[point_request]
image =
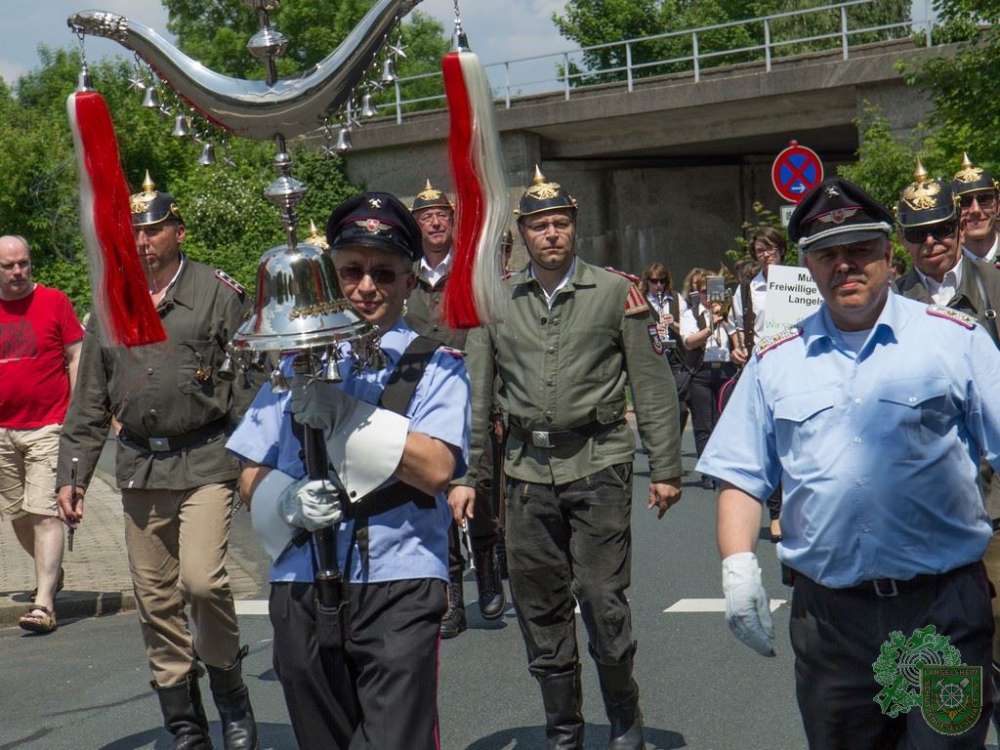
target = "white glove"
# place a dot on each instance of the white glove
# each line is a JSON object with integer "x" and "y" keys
{"x": 747, "y": 608}
{"x": 318, "y": 404}
{"x": 364, "y": 443}
{"x": 310, "y": 504}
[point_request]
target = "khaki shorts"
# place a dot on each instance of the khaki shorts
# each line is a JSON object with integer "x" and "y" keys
{"x": 28, "y": 471}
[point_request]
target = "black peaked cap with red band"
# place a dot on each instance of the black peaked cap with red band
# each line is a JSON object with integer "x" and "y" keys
{"x": 837, "y": 212}
{"x": 377, "y": 220}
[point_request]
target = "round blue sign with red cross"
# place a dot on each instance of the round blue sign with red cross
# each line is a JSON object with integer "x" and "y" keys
{"x": 796, "y": 170}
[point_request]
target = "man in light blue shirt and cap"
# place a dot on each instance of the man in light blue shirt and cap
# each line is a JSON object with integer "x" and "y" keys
{"x": 396, "y": 435}
{"x": 871, "y": 414}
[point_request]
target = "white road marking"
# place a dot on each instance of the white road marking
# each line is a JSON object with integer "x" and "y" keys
{"x": 251, "y": 606}
{"x": 708, "y": 605}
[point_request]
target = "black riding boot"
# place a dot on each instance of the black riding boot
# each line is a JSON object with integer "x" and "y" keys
{"x": 621, "y": 703}
{"x": 453, "y": 621}
{"x": 239, "y": 730}
{"x": 183, "y": 715}
{"x": 491, "y": 597}
{"x": 562, "y": 695}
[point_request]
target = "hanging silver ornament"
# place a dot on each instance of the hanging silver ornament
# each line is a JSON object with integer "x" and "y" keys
{"x": 207, "y": 157}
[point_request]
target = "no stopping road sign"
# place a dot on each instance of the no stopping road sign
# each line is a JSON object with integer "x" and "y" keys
{"x": 796, "y": 170}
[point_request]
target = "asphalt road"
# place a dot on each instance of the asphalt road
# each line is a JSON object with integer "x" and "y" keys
{"x": 88, "y": 686}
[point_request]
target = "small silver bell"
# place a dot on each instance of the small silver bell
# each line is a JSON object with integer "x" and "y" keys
{"x": 389, "y": 71}
{"x": 368, "y": 108}
{"x": 151, "y": 99}
{"x": 279, "y": 383}
{"x": 344, "y": 140}
{"x": 227, "y": 372}
{"x": 181, "y": 129}
{"x": 207, "y": 157}
{"x": 331, "y": 372}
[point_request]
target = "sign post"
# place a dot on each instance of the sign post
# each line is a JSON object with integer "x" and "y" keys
{"x": 796, "y": 171}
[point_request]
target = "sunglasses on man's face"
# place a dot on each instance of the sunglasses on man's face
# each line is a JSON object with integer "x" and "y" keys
{"x": 917, "y": 235}
{"x": 657, "y": 281}
{"x": 382, "y": 276}
{"x": 985, "y": 200}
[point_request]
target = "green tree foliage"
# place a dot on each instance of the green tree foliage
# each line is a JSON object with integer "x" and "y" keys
{"x": 597, "y": 22}
{"x": 966, "y": 113}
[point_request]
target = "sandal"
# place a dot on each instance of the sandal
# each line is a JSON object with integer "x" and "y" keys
{"x": 59, "y": 584}
{"x": 35, "y": 623}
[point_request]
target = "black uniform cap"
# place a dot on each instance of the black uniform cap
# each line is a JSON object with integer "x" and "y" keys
{"x": 925, "y": 201}
{"x": 837, "y": 212}
{"x": 972, "y": 179}
{"x": 376, "y": 220}
{"x": 151, "y": 206}
{"x": 544, "y": 196}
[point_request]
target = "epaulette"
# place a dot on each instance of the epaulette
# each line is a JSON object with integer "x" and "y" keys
{"x": 229, "y": 281}
{"x": 636, "y": 302}
{"x": 775, "y": 340}
{"x": 630, "y": 276}
{"x": 456, "y": 353}
{"x": 957, "y": 316}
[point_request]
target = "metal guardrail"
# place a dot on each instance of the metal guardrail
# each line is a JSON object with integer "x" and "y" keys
{"x": 571, "y": 72}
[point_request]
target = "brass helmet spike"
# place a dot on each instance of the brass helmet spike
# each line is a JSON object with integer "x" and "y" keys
{"x": 539, "y": 177}
{"x": 428, "y": 186}
{"x": 966, "y": 161}
{"x": 920, "y": 173}
{"x": 148, "y": 185}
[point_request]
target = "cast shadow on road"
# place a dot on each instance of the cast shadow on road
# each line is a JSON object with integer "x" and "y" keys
{"x": 271, "y": 735}
{"x": 533, "y": 738}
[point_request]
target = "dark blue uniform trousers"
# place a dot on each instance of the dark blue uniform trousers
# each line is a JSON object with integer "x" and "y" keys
{"x": 378, "y": 692}
{"x": 837, "y": 635}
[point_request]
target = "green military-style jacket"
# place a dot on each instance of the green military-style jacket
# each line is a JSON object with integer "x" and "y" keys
{"x": 566, "y": 367}
{"x": 162, "y": 390}
{"x": 423, "y": 313}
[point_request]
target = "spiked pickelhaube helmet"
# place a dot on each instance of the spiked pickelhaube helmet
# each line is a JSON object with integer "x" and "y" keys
{"x": 431, "y": 197}
{"x": 925, "y": 201}
{"x": 544, "y": 196}
{"x": 971, "y": 179}
{"x": 152, "y": 206}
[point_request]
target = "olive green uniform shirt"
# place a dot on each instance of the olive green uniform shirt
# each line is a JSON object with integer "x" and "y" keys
{"x": 567, "y": 367}
{"x": 162, "y": 390}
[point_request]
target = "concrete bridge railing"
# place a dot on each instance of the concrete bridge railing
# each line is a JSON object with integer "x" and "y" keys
{"x": 690, "y": 52}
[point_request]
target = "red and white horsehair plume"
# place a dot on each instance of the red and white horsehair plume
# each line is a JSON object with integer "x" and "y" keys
{"x": 118, "y": 282}
{"x": 475, "y": 291}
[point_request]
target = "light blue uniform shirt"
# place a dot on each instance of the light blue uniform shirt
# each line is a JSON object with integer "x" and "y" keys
{"x": 405, "y": 542}
{"x": 877, "y": 455}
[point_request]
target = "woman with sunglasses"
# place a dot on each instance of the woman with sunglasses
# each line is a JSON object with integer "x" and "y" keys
{"x": 657, "y": 285}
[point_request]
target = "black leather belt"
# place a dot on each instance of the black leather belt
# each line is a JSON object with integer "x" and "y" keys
{"x": 175, "y": 443}
{"x": 556, "y": 438}
{"x": 889, "y": 587}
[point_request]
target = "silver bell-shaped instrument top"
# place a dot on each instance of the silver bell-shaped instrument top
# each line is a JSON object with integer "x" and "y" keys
{"x": 299, "y": 304}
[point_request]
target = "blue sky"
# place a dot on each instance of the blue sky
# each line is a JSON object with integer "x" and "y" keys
{"x": 498, "y": 31}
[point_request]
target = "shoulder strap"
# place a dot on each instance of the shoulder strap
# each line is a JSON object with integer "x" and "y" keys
{"x": 988, "y": 312}
{"x": 398, "y": 392}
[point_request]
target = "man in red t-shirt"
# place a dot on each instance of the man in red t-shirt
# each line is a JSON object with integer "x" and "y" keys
{"x": 40, "y": 342}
